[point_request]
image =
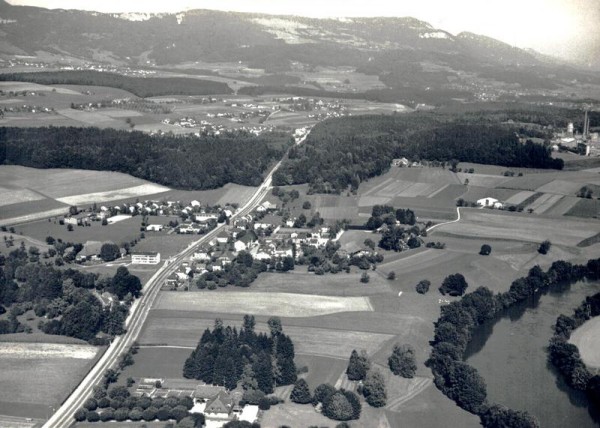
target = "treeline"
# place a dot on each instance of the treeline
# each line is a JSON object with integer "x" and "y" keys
{"x": 346, "y": 151}
{"x": 140, "y": 86}
{"x": 259, "y": 361}
{"x": 64, "y": 298}
{"x": 564, "y": 355}
{"x": 181, "y": 162}
{"x": 457, "y": 323}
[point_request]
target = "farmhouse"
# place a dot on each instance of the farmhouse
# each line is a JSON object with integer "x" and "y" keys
{"x": 145, "y": 258}
{"x": 490, "y": 203}
{"x": 154, "y": 227}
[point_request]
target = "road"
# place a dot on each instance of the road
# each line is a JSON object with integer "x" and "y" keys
{"x": 139, "y": 311}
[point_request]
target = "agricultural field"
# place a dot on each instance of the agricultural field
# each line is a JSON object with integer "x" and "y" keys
{"x": 36, "y": 377}
{"x": 586, "y": 340}
{"x": 41, "y": 193}
{"x": 276, "y": 304}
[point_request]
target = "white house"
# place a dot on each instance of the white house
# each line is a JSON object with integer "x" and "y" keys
{"x": 239, "y": 246}
{"x": 490, "y": 203}
{"x": 145, "y": 258}
{"x": 154, "y": 227}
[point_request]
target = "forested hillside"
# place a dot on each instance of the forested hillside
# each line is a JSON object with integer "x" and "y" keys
{"x": 180, "y": 162}
{"x": 140, "y": 86}
{"x": 345, "y": 151}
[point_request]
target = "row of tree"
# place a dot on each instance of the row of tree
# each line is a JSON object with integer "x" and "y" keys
{"x": 336, "y": 404}
{"x": 257, "y": 360}
{"x": 565, "y": 356}
{"x": 202, "y": 162}
{"x": 459, "y": 319}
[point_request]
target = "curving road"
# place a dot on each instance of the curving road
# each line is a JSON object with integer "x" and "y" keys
{"x": 139, "y": 311}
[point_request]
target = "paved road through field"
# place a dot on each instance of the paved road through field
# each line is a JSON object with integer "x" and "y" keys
{"x": 139, "y": 311}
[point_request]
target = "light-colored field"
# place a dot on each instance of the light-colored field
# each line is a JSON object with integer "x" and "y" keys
{"x": 544, "y": 203}
{"x": 276, "y": 304}
{"x": 59, "y": 183}
{"x": 563, "y": 206}
{"x": 483, "y": 180}
{"x": 10, "y": 196}
{"x": 519, "y": 197}
{"x": 34, "y": 87}
{"x": 94, "y": 118}
{"x": 560, "y": 187}
{"x": 114, "y": 195}
{"x": 46, "y": 350}
{"x": 39, "y": 377}
{"x": 586, "y": 338}
{"x": 488, "y": 224}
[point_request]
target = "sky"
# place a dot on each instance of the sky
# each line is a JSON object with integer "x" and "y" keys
{"x": 568, "y": 29}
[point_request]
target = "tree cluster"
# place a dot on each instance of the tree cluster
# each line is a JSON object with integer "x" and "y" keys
{"x": 241, "y": 273}
{"x": 454, "y": 285}
{"x": 344, "y": 152}
{"x": 565, "y": 356}
{"x": 402, "y": 361}
{"x": 63, "y": 297}
{"x": 202, "y": 162}
{"x": 257, "y": 360}
{"x": 337, "y": 404}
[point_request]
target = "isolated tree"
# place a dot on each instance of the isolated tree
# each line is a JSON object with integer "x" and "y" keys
{"x": 485, "y": 250}
{"x": 358, "y": 365}
{"x": 391, "y": 276}
{"x": 365, "y": 278}
{"x": 454, "y": 285}
{"x": 402, "y": 361}
{"x": 306, "y": 205}
{"x": 374, "y": 389}
{"x": 73, "y": 210}
{"x": 301, "y": 393}
{"x": 544, "y": 247}
{"x": 423, "y": 286}
{"x": 109, "y": 252}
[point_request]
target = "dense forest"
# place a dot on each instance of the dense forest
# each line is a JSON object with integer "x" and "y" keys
{"x": 345, "y": 151}
{"x": 181, "y": 162}
{"x": 63, "y": 297}
{"x": 259, "y": 361}
{"x": 140, "y": 86}
{"x": 457, "y": 322}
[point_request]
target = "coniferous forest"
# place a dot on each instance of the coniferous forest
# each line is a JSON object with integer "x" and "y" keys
{"x": 181, "y": 162}
{"x": 259, "y": 361}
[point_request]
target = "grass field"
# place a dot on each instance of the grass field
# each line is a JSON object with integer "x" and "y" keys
{"x": 586, "y": 339}
{"x": 585, "y": 208}
{"x": 488, "y": 224}
{"x": 36, "y": 377}
{"x": 277, "y": 304}
{"x": 32, "y": 193}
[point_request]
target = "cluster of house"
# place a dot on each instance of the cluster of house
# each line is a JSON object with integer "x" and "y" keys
{"x": 490, "y": 203}
{"x": 405, "y": 163}
{"x": 215, "y": 402}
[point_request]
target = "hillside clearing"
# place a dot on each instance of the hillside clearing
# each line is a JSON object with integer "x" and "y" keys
{"x": 114, "y": 195}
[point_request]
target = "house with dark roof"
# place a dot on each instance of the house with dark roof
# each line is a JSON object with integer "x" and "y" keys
{"x": 220, "y": 406}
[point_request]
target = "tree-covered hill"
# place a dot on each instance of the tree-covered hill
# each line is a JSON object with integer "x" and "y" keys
{"x": 343, "y": 152}
{"x": 181, "y": 162}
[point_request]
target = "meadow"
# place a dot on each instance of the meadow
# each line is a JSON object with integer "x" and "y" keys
{"x": 37, "y": 377}
{"x": 586, "y": 340}
{"x": 276, "y": 304}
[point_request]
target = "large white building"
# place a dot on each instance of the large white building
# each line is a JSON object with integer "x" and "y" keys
{"x": 145, "y": 258}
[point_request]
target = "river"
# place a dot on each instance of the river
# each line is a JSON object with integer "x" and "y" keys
{"x": 510, "y": 353}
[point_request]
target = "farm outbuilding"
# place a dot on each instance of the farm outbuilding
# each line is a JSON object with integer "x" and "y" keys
{"x": 490, "y": 203}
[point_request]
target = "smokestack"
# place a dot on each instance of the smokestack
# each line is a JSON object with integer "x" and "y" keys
{"x": 586, "y": 125}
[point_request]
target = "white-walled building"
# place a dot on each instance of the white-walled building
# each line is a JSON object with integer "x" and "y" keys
{"x": 145, "y": 258}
